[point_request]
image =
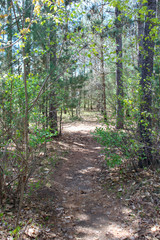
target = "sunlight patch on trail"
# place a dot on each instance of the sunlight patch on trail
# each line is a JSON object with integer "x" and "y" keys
{"x": 89, "y": 169}
{"x": 110, "y": 231}
{"x": 79, "y": 144}
{"x": 118, "y": 231}
{"x": 85, "y": 127}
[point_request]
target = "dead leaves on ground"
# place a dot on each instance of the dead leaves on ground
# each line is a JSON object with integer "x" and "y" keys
{"x": 140, "y": 191}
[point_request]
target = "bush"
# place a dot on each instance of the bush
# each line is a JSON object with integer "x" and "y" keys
{"x": 118, "y": 146}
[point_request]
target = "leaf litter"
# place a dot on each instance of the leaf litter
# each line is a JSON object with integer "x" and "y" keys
{"x": 90, "y": 201}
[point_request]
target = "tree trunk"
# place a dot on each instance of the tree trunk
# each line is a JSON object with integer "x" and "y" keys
{"x": 145, "y": 123}
{"x": 119, "y": 72}
{"x": 28, "y": 14}
{"x": 103, "y": 81}
{"x": 103, "y": 69}
{"x": 52, "y": 101}
{"x": 25, "y": 163}
{"x": 140, "y": 41}
{"x": 10, "y": 67}
{"x": 1, "y": 185}
{"x": 53, "y": 113}
{"x": 84, "y": 99}
{"x": 9, "y": 33}
{"x": 26, "y": 70}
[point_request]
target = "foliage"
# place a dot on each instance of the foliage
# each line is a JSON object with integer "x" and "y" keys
{"x": 60, "y": 56}
{"x": 118, "y": 147}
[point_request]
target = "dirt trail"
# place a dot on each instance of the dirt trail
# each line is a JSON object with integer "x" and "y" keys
{"x": 86, "y": 210}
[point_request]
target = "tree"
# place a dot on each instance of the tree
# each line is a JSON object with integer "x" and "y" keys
{"x": 119, "y": 70}
{"x": 103, "y": 67}
{"x": 145, "y": 122}
{"x": 140, "y": 40}
{"x": 52, "y": 98}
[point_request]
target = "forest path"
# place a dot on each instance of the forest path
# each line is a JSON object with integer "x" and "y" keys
{"x": 85, "y": 209}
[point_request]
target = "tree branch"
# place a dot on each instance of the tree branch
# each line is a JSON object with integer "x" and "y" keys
{"x": 47, "y": 78}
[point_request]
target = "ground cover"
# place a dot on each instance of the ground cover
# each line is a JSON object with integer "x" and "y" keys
{"x": 74, "y": 195}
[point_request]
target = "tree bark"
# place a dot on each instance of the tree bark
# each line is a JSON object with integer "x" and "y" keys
{"x": 140, "y": 41}
{"x": 9, "y": 33}
{"x": 53, "y": 123}
{"x": 145, "y": 123}
{"x": 25, "y": 162}
{"x": 28, "y": 14}
{"x": 103, "y": 68}
{"x": 10, "y": 67}
{"x": 119, "y": 72}
{"x": 103, "y": 81}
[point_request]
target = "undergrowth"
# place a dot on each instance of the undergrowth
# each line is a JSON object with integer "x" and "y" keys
{"x": 118, "y": 145}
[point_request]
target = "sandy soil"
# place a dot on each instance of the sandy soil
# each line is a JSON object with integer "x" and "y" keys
{"x": 86, "y": 210}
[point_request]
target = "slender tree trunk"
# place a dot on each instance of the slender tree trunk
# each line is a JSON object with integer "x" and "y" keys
{"x": 103, "y": 81}
{"x": 119, "y": 73}
{"x": 26, "y": 71}
{"x": 53, "y": 113}
{"x": 52, "y": 101}
{"x": 145, "y": 123}
{"x": 10, "y": 67}
{"x": 88, "y": 103}
{"x": 1, "y": 185}
{"x": 92, "y": 102}
{"x": 140, "y": 42}
{"x": 9, "y": 33}
{"x": 84, "y": 99}
{"x": 28, "y": 14}
{"x": 103, "y": 67}
{"x": 24, "y": 166}
{"x": 60, "y": 122}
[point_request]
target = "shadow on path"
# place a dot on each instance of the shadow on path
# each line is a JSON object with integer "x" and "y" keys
{"x": 89, "y": 211}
